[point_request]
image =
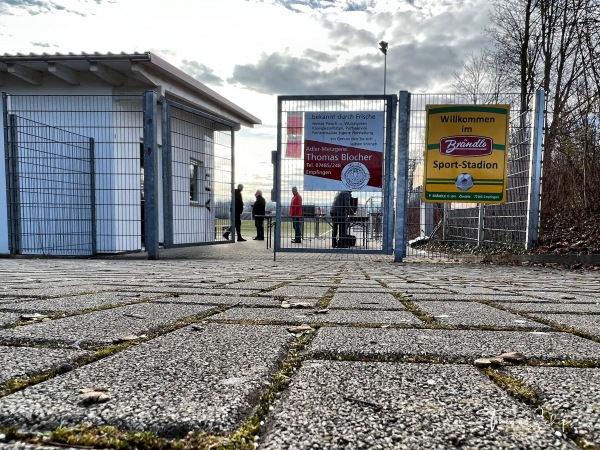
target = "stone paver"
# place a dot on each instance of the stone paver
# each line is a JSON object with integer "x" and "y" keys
{"x": 103, "y": 327}
{"x": 187, "y": 380}
{"x": 453, "y": 344}
{"x": 362, "y": 300}
{"x": 74, "y": 303}
{"x": 400, "y": 406}
{"x": 209, "y": 376}
{"x": 577, "y": 408}
{"x": 7, "y": 318}
{"x": 557, "y": 307}
{"x": 23, "y": 362}
{"x": 474, "y": 314}
{"x": 471, "y": 297}
{"x": 313, "y": 292}
{"x": 587, "y": 323}
{"x": 230, "y": 300}
{"x": 296, "y": 316}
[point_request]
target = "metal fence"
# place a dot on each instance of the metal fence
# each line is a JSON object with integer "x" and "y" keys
{"x": 50, "y": 189}
{"x": 115, "y": 125}
{"x": 433, "y": 229}
{"x": 370, "y": 229}
{"x": 65, "y": 199}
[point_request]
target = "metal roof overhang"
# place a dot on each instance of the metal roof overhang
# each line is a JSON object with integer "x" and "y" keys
{"x": 119, "y": 70}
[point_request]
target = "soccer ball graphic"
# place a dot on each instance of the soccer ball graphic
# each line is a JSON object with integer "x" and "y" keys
{"x": 464, "y": 182}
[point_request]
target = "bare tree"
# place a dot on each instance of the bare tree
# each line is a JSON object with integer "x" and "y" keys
{"x": 553, "y": 45}
{"x": 480, "y": 79}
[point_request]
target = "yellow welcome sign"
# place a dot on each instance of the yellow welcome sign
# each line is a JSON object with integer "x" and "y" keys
{"x": 466, "y": 153}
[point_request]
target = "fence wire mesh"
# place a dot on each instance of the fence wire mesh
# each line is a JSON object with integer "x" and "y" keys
{"x": 115, "y": 125}
{"x": 50, "y": 177}
{"x": 438, "y": 229}
{"x": 199, "y": 188}
{"x": 50, "y": 191}
{"x": 312, "y": 228}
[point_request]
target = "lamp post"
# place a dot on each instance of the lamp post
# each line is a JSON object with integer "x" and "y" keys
{"x": 383, "y": 46}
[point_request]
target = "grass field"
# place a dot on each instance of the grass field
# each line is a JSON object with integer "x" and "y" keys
{"x": 324, "y": 231}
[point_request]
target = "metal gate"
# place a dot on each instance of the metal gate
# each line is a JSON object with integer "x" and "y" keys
{"x": 50, "y": 189}
{"x": 197, "y": 161}
{"x": 346, "y": 125}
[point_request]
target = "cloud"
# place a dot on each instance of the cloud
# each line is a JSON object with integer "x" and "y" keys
{"x": 201, "y": 73}
{"x": 42, "y": 44}
{"x": 36, "y": 7}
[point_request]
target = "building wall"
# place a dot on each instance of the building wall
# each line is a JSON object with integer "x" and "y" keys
{"x": 115, "y": 124}
{"x": 192, "y": 142}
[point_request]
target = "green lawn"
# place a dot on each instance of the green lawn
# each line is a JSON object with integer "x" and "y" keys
{"x": 249, "y": 230}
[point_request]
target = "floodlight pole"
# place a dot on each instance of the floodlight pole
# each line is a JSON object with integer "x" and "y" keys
{"x": 383, "y": 46}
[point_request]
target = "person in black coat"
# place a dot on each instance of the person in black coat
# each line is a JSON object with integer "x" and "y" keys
{"x": 238, "y": 209}
{"x": 258, "y": 212}
{"x": 340, "y": 210}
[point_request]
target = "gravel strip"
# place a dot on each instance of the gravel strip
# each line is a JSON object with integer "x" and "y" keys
{"x": 185, "y": 381}
{"x": 341, "y": 405}
{"x": 464, "y": 344}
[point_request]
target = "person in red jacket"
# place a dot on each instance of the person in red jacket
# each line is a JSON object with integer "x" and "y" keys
{"x": 296, "y": 215}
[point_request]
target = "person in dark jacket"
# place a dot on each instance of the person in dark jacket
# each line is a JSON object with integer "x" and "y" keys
{"x": 258, "y": 212}
{"x": 238, "y": 209}
{"x": 340, "y": 210}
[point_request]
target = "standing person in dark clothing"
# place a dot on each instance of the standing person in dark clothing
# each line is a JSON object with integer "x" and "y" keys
{"x": 258, "y": 212}
{"x": 296, "y": 214}
{"x": 238, "y": 209}
{"x": 340, "y": 210}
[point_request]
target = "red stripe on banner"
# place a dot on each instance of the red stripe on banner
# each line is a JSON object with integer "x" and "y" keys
{"x": 293, "y": 150}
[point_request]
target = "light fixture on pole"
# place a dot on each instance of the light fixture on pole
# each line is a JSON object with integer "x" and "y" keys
{"x": 383, "y": 46}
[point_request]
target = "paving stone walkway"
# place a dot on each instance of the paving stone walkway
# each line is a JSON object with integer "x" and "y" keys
{"x": 199, "y": 349}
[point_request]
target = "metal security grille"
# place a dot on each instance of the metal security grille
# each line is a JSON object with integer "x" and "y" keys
{"x": 198, "y": 164}
{"x": 312, "y": 230}
{"x": 433, "y": 229}
{"x": 50, "y": 189}
{"x": 115, "y": 125}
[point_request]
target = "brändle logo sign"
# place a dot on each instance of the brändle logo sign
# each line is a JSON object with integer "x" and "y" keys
{"x": 465, "y": 146}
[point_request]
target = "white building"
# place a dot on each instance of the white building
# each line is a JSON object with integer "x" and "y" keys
{"x": 73, "y": 133}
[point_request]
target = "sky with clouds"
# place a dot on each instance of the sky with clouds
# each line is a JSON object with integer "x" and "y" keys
{"x": 250, "y": 51}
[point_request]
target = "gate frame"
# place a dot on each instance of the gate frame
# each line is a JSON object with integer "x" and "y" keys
{"x": 167, "y": 171}
{"x": 402, "y": 175}
{"x": 388, "y": 183}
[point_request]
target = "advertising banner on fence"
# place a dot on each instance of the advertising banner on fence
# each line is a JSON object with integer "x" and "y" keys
{"x": 466, "y": 153}
{"x": 343, "y": 150}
